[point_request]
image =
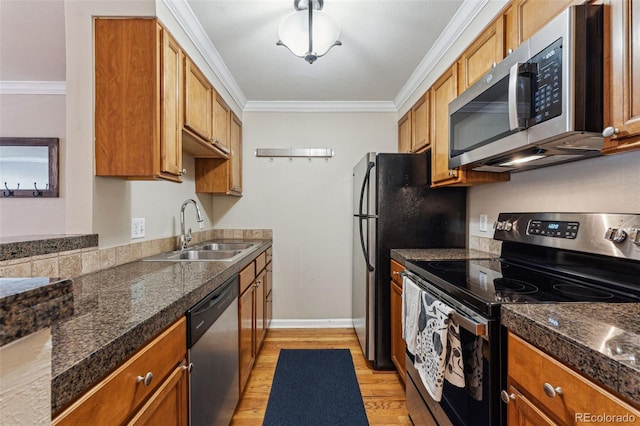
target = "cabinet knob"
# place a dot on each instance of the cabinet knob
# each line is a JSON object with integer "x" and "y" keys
{"x": 509, "y": 51}
{"x": 552, "y": 391}
{"x": 183, "y": 172}
{"x": 146, "y": 380}
{"x": 506, "y": 396}
{"x": 495, "y": 64}
{"x": 610, "y": 131}
{"x": 188, "y": 368}
{"x": 395, "y": 273}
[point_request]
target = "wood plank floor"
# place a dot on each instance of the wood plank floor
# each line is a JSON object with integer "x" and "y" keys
{"x": 382, "y": 391}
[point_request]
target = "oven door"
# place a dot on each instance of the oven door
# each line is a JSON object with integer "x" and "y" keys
{"x": 478, "y": 403}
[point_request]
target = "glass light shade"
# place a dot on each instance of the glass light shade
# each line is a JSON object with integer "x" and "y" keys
{"x": 294, "y": 32}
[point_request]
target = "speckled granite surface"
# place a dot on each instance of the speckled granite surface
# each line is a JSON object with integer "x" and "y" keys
{"x": 36, "y": 245}
{"x": 400, "y": 255}
{"x": 31, "y": 304}
{"x": 602, "y": 341}
{"x": 118, "y": 310}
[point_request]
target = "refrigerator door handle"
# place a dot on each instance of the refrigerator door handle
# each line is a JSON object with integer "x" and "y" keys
{"x": 365, "y": 182}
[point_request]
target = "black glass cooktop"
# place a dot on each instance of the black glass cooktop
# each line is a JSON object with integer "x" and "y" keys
{"x": 485, "y": 284}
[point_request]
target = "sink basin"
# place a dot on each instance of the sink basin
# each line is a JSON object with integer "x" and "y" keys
{"x": 225, "y": 246}
{"x": 204, "y": 255}
{"x": 222, "y": 251}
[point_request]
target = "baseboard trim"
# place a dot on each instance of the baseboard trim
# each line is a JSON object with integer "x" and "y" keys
{"x": 306, "y": 323}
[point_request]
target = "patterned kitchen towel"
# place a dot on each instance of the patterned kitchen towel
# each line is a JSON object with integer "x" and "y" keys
{"x": 435, "y": 351}
{"x": 472, "y": 354}
{"x": 410, "y": 308}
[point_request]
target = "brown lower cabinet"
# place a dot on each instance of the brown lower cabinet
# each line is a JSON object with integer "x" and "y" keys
{"x": 543, "y": 391}
{"x": 254, "y": 310}
{"x": 149, "y": 388}
{"x": 398, "y": 346}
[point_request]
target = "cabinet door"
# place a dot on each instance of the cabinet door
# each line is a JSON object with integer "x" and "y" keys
{"x": 171, "y": 106}
{"x": 397, "y": 342}
{"x": 245, "y": 319}
{"x": 261, "y": 325}
{"x": 442, "y": 92}
{"x": 169, "y": 405}
{"x": 404, "y": 133}
{"x": 420, "y": 124}
{"x": 220, "y": 121}
{"x": 623, "y": 94}
{"x": 484, "y": 53}
{"x": 235, "y": 181}
{"x": 522, "y": 412}
{"x": 198, "y": 101}
{"x": 268, "y": 301}
{"x": 532, "y": 15}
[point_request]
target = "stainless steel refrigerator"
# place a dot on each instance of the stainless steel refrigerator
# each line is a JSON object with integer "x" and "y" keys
{"x": 395, "y": 207}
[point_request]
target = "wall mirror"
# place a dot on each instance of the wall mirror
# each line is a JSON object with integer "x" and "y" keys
{"x": 28, "y": 167}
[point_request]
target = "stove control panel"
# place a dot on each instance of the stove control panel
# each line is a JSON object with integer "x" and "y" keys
{"x": 553, "y": 228}
{"x": 616, "y": 235}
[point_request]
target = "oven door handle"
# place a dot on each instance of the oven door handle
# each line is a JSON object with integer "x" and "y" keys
{"x": 475, "y": 326}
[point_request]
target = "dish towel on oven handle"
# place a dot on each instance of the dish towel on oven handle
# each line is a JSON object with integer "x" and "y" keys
{"x": 411, "y": 297}
{"x": 438, "y": 352}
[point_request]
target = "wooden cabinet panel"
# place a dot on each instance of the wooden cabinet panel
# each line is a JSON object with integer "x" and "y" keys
{"x": 120, "y": 395}
{"x": 221, "y": 113}
{"x": 420, "y": 124}
{"x": 484, "y": 53}
{"x": 247, "y": 333}
{"x": 622, "y": 93}
{"x": 530, "y": 370}
{"x": 268, "y": 300}
{"x": 532, "y": 15}
{"x": 404, "y": 133}
{"x": 136, "y": 59}
{"x": 171, "y": 148}
{"x": 223, "y": 176}
{"x": 197, "y": 102}
{"x": 444, "y": 90}
{"x": 398, "y": 346}
{"x": 522, "y": 412}
{"x": 169, "y": 405}
{"x": 261, "y": 325}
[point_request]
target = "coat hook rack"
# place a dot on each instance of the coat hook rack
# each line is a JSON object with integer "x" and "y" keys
{"x": 10, "y": 192}
{"x": 292, "y": 153}
{"x": 37, "y": 192}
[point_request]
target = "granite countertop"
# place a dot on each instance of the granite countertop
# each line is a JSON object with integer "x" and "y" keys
{"x": 400, "y": 255}
{"x": 118, "y": 310}
{"x": 599, "y": 340}
{"x": 28, "y": 305}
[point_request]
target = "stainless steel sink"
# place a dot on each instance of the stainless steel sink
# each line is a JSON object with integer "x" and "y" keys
{"x": 222, "y": 251}
{"x": 225, "y": 246}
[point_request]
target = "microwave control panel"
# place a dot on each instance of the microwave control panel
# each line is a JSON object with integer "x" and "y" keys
{"x": 547, "y": 83}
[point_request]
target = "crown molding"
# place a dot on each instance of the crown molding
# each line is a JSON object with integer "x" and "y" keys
{"x": 190, "y": 24}
{"x": 33, "y": 87}
{"x": 320, "y": 106}
{"x": 458, "y": 24}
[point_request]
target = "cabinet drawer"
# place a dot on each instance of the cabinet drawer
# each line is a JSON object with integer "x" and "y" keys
{"x": 532, "y": 370}
{"x": 247, "y": 276}
{"x": 261, "y": 261}
{"x": 115, "y": 398}
{"x": 396, "y": 269}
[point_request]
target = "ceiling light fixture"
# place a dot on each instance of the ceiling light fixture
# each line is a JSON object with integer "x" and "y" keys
{"x": 309, "y": 35}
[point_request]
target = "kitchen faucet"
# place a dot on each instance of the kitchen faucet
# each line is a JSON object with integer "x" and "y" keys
{"x": 185, "y": 237}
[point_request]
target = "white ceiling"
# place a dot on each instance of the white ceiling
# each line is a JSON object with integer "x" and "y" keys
{"x": 387, "y": 48}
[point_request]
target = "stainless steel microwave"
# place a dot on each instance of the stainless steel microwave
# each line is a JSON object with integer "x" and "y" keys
{"x": 539, "y": 106}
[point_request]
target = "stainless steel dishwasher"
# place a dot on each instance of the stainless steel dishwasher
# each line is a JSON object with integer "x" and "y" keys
{"x": 212, "y": 339}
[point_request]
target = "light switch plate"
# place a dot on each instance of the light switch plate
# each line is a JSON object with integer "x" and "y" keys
{"x": 482, "y": 224}
{"x": 137, "y": 227}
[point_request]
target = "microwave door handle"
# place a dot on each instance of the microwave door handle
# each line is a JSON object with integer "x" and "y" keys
{"x": 514, "y": 73}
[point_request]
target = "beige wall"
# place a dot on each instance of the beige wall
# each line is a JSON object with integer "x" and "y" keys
{"x": 307, "y": 204}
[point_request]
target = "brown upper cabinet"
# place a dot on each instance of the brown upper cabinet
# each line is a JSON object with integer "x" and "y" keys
{"x": 138, "y": 114}
{"x": 404, "y": 133}
{"x": 622, "y": 93}
{"x": 483, "y": 54}
{"x": 413, "y": 127}
{"x": 220, "y": 131}
{"x": 198, "y": 102}
{"x": 220, "y": 176}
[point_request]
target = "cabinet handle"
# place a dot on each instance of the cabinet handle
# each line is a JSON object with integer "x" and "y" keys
{"x": 146, "y": 380}
{"x": 183, "y": 172}
{"x": 509, "y": 51}
{"x": 395, "y": 273}
{"x": 188, "y": 368}
{"x": 551, "y": 391}
{"x": 506, "y": 396}
{"x": 610, "y": 131}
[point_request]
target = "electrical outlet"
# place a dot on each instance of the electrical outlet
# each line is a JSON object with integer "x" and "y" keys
{"x": 137, "y": 227}
{"x": 482, "y": 224}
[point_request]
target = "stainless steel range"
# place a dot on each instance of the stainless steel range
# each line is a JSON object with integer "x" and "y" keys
{"x": 545, "y": 258}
